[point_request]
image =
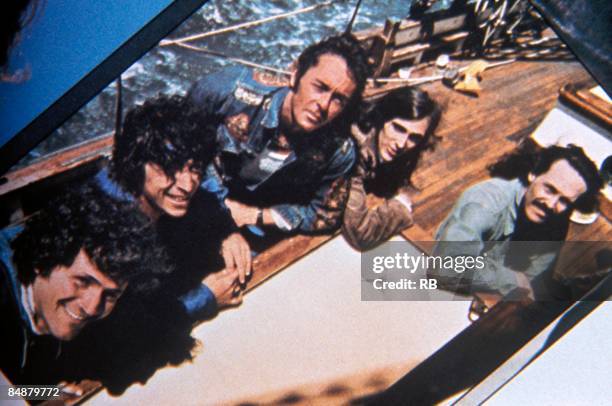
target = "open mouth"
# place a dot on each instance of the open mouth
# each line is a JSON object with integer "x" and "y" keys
{"x": 313, "y": 117}
{"x": 73, "y": 315}
{"x": 178, "y": 199}
{"x": 391, "y": 153}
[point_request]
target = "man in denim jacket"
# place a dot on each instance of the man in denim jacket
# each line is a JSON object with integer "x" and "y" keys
{"x": 285, "y": 151}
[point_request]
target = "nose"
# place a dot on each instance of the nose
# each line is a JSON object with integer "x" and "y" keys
{"x": 555, "y": 204}
{"x": 558, "y": 206}
{"x": 324, "y": 103}
{"x": 185, "y": 181}
{"x": 92, "y": 303}
{"x": 407, "y": 144}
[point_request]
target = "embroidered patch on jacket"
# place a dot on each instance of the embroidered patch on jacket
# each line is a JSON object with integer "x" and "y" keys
{"x": 330, "y": 212}
{"x": 238, "y": 126}
{"x": 270, "y": 79}
{"x": 248, "y": 96}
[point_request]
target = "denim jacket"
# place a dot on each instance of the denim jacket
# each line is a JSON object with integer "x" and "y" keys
{"x": 249, "y": 104}
{"x": 485, "y": 213}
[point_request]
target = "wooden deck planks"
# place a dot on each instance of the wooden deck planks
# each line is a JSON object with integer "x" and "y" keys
{"x": 477, "y": 131}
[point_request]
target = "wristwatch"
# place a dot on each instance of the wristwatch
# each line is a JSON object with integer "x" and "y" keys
{"x": 260, "y": 221}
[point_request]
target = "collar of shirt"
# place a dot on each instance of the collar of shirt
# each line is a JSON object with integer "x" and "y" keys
{"x": 519, "y": 192}
{"x": 27, "y": 301}
{"x": 112, "y": 188}
{"x": 271, "y": 119}
{"x": 368, "y": 151}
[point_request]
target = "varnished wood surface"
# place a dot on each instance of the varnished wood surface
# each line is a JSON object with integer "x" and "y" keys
{"x": 58, "y": 163}
{"x": 477, "y": 131}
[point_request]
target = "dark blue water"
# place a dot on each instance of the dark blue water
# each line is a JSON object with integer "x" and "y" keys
{"x": 172, "y": 70}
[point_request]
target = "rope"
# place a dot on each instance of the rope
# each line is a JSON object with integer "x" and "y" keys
{"x": 233, "y": 59}
{"x": 177, "y": 41}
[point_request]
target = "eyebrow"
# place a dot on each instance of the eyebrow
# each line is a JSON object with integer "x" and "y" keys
{"x": 399, "y": 127}
{"x": 91, "y": 279}
{"x": 551, "y": 187}
{"x": 334, "y": 90}
{"x": 563, "y": 197}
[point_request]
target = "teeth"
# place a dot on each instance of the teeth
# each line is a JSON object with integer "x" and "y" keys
{"x": 178, "y": 198}
{"x": 73, "y": 315}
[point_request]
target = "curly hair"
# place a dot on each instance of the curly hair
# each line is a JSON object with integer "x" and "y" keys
{"x": 118, "y": 239}
{"x": 531, "y": 158}
{"x": 409, "y": 104}
{"x": 345, "y": 46}
{"x": 167, "y": 131}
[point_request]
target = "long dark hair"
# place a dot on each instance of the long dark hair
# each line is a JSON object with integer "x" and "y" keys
{"x": 531, "y": 158}
{"x": 405, "y": 103}
{"x": 167, "y": 131}
{"x": 118, "y": 239}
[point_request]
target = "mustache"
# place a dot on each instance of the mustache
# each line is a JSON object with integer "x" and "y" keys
{"x": 547, "y": 210}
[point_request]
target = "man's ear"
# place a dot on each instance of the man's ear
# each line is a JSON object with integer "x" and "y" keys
{"x": 530, "y": 177}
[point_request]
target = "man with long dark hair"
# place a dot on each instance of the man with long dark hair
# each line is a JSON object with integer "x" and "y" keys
{"x": 516, "y": 217}
{"x": 285, "y": 150}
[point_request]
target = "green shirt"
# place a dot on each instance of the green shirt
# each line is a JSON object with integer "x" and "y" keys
{"x": 485, "y": 218}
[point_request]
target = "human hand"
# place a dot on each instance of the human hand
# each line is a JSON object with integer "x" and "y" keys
{"x": 404, "y": 199}
{"x": 236, "y": 254}
{"x": 488, "y": 299}
{"x": 224, "y": 285}
{"x": 242, "y": 213}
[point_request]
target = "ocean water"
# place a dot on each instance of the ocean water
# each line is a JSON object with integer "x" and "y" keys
{"x": 172, "y": 70}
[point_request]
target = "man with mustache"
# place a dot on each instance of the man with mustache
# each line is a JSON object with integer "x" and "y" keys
{"x": 285, "y": 150}
{"x": 531, "y": 199}
{"x": 66, "y": 268}
{"x": 158, "y": 161}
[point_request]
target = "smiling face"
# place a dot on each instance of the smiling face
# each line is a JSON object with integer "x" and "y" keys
{"x": 553, "y": 193}
{"x": 170, "y": 195}
{"x": 400, "y": 135}
{"x": 320, "y": 96}
{"x": 71, "y": 297}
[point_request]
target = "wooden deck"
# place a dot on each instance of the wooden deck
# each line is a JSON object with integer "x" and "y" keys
{"x": 477, "y": 131}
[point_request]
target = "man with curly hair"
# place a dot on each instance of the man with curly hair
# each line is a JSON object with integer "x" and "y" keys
{"x": 66, "y": 268}
{"x": 285, "y": 150}
{"x": 158, "y": 161}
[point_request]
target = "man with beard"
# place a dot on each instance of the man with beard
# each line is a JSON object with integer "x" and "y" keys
{"x": 285, "y": 151}
{"x": 514, "y": 220}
